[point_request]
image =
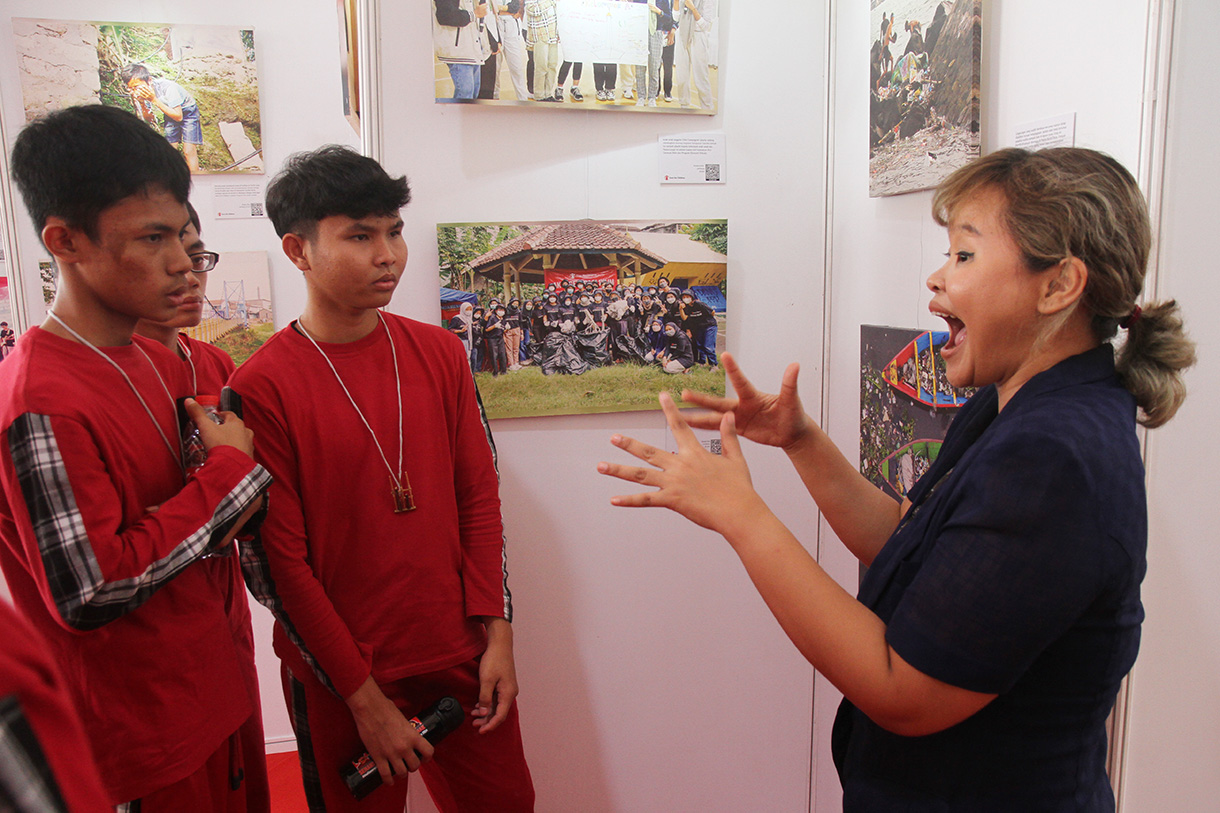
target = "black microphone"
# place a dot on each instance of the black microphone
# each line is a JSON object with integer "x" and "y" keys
{"x": 434, "y": 723}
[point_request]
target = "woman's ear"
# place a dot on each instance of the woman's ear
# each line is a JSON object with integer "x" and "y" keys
{"x": 1064, "y": 286}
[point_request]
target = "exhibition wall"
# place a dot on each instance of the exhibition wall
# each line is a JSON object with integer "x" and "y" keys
{"x": 1173, "y": 745}
{"x": 652, "y": 676}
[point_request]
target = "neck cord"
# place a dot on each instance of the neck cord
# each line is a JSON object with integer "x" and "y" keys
{"x": 176, "y": 455}
{"x": 186, "y": 351}
{"x": 402, "y": 496}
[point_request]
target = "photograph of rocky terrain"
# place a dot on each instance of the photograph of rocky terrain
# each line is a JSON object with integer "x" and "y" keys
{"x": 923, "y": 92}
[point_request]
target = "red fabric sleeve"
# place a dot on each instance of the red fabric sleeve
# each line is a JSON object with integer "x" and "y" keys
{"x": 293, "y": 593}
{"x": 477, "y": 485}
{"x": 52, "y": 757}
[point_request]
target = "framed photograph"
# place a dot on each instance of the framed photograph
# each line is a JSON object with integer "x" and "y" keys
{"x": 237, "y": 315}
{"x": 906, "y": 404}
{"x": 349, "y": 72}
{"x": 196, "y": 84}
{"x": 644, "y": 56}
{"x": 924, "y": 71}
{"x": 586, "y": 316}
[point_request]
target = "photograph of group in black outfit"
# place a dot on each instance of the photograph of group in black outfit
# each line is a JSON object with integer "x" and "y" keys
{"x": 585, "y": 316}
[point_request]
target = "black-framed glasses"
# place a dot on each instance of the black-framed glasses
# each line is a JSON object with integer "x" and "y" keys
{"x": 204, "y": 261}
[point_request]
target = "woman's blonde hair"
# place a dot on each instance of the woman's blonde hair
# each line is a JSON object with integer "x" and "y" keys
{"x": 1072, "y": 202}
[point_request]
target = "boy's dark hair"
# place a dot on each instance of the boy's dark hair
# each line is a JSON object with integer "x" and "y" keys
{"x": 135, "y": 71}
{"x": 194, "y": 216}
{"x": 77, "y": 162}
{"x": 331, "y": 180}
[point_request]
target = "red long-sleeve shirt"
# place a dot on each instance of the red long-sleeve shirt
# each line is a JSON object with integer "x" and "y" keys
{"x": 356, "y": 588}
{"x": 44, "y": 755}
{"x": 210, "y": 368}
{"x": 135, "y": 622}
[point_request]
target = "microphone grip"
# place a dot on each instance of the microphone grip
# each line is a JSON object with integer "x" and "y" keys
{"x": 434, "y": 723}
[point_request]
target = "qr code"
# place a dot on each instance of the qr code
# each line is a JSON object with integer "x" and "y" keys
{"x": 712, "y": 445}
{"x": 711, "y": 172}
{"x": 256, "y": 210}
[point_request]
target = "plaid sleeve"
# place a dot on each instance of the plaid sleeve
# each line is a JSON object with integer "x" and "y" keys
{"x": 26, "y": 782}
{"x": 83, "y": 594}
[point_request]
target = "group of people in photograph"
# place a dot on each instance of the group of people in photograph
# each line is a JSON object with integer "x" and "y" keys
{"x": 471, "y": 36}
{"x": 574, "y": 326}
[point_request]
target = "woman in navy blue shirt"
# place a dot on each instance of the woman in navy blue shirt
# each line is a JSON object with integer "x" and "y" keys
{"x": 1001, "y": 608}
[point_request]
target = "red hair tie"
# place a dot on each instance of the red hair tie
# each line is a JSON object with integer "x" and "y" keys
{"x": 1131, "y": 319}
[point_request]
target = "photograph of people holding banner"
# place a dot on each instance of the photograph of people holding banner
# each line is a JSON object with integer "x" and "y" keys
{"x": 646, "y": 55}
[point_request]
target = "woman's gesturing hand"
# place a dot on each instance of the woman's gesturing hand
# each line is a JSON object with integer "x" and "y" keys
{"x": 772, "y": 420}
{"x": 713, "y": 491}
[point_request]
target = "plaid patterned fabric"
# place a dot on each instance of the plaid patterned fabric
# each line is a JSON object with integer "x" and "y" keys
{"x": 542, "y": 21}
{"x": 84, "y": 598}
{"x": 309, "y": 766}
{"x": 257, "y": 572}
{"x": 26, "y": 783}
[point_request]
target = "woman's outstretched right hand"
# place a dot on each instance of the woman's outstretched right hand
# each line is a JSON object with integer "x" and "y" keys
{"x": 772, "y": 420}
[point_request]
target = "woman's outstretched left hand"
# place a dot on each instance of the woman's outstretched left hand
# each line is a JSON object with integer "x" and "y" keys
{"x": 714, "y": 491}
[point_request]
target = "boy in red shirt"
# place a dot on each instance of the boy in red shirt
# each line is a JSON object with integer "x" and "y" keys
{"x": 101, "y": 531}
{"x": 45, "y": 761}
{"x": 209, "y": 369}
{"x": 382, "y": 555}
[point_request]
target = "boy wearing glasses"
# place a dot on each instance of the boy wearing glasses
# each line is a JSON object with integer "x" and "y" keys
{"x": 208, "y": 368}
{"x": 208, "y": 365}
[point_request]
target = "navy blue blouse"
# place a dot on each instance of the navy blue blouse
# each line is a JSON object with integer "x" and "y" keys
{"x": 1016, "y": 572}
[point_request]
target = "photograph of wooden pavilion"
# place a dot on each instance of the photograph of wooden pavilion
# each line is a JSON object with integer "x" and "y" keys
{"x": 574, "y": 316}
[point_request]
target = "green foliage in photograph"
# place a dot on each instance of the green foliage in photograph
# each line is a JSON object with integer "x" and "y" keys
{"x": 460, "y": 245}
{"x": 715, "y": 234}
{"x": 240, "y": 344}
{"x": 218, "y": 99}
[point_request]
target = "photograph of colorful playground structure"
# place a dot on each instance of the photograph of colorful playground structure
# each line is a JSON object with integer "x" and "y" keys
{"x": 906, "y": 404}
{"x": 918, "y": 371}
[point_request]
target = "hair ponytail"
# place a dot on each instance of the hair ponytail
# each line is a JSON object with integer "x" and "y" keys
{"x": 1150, "y": 362}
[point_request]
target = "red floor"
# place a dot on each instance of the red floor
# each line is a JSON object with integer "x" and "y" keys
{"x": 284, "y": 777}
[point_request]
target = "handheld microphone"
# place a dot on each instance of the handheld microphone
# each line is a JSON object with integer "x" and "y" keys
{"x": 434, "y": 723}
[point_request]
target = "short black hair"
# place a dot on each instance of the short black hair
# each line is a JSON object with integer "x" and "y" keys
{"x": 77, "y": 162}
{"x": 331, "y": 180}
{"x": 194, "y": 216}
{"x": 135, "y": 71}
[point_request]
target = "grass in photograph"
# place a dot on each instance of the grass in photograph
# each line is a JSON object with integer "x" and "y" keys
{"x": 617, "y": 388}
{"x": 240, "y": 344}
